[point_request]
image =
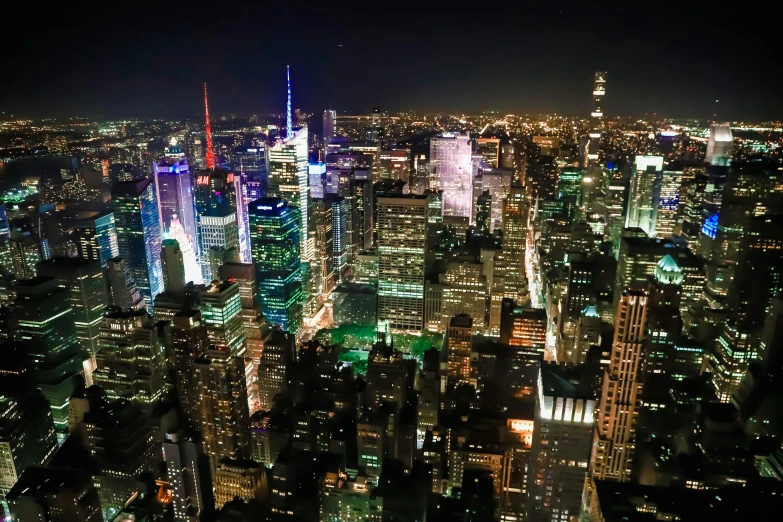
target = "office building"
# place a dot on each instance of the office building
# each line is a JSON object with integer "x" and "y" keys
{"x": 458, "y": 343}
{"x": 614, "y": 442}
{"x": 330, "y": 122}
{"x": 402, "y": 239}
{"x": 217, "y": 220}
{"x": 346, "y": 498}
{"x": 276, "y": 358}
{"x": 669, "y": 202}
{"x": 173, "y": 266}
{"x": 395, "y": 164}
{"x": 47, "y": 331}
{"x": 596, "y": 119}
{"x": 451, "y": 168}
{"x": 523, "y": 327}
{"x": 221, "y": 311}
{"x": 138, "y": 234}
{"x": 274, "y": 239}
{"x": 183, "y": 456}
{"x": 490, "y": 150}
{"x": 645, "y": 194}
{"x": 121, "y": 288}
{"x": 131, "y": 362}
{"x": 720, "y": 146}
{"x": 222, "y": 412}
{"x": 96, "y": 236}
{"x": 562, "y": 440}
{"x": 58, "y": 495}
{"x": 243, "y": 479}
{"x": 176, "y": 209}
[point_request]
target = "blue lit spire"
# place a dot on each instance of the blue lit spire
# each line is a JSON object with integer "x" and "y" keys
{"x": 289, "y": 125}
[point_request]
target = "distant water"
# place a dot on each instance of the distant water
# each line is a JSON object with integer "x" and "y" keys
{"x": 13, "y": 173}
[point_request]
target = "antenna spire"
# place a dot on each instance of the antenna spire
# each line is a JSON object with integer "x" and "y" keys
{"x": 210, "y": 154}
{"x": 289, "y": 125}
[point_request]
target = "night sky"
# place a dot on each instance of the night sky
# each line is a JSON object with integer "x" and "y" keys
{"x": 138, "y": 59}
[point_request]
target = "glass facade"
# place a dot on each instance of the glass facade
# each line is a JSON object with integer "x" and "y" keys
{"x": 275, "y": 242}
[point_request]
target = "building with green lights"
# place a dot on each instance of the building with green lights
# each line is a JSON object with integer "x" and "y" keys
{"x": 221, "y": 309}
{"x": 48, "y": 333}
{"x": 275, "y": 243}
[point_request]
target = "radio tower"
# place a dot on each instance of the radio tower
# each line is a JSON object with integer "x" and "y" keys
{"x": 289, "y": 125}
{"x": 210, "y": 154}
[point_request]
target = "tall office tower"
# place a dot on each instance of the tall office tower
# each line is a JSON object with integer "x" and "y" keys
{"x": 241, "y": 190}
{"x": 278, "y": 354}
{"x": 216, "y": 220}
{"x": 564, "y": 411}
{"x": 251, "y": 161}
{"x": 614, "y": 441}
{"x": 512, "y": 263}
{"x": 274, "y": 239}
{"x": 189, "y": 341}
{"x": 253, "y": 321}
{"x": 131, "y": 362}
{"x": 173, "y": 266}
{"x": 395, "y": 164}
{"x": 451, "y": 167}
{"x": 316, "y": 174}
{"x": 490, "y": 150}
{"x": 323, "y": 248}
{"x": 498, "y": 183}
{"x": 483, "y": 208}
{"x": 26, "y": 250}
{"x": 48, "y": 334}
{"x": 668, "y": 203}
{"x": 221, "y": 309}
{"x": 388, "y": 376}
{"x": 341, "y": 211}
{"x": 84, "y": 281}
{"x": 138, "y": 234}
{"x": 176, "y": 210}
{"x": 637, "y": 260}
{"x": 27, "y": 436}
{"x": 458, "y": 342}
{"x": 223, "y": 418}
{"x": 732, "y": 354}
{"x": 125, "y": 443}
{"x": 596, "y": 118}
{"x": 120, "y": 286}
{"x": 645, "y": 194}
{"x": 56, "y": 495}
{"x": 288, "y": 180}
{"x": 330, "y": 125}
{"x": 464, "y": 291}
{"x": 402, "y": 245}
{"x": 96, "y": 237}
{"x": 720, "y": 146}
{"x": 615, "y": 207}
{"x": 524, "y": 328}
{"x": 183, "y": 455}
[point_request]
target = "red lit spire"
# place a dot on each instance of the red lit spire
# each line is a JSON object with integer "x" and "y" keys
{"x": 210, "y": 154}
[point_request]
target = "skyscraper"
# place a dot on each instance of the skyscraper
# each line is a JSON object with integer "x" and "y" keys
{"x": 176, "y": 210}
{"x": 596, "y": 117}
{"x": 720, "y": 146}
{"x": 221, "y": 310}
{"x": 330, "y": 128}
{"x": 614, "y": 441}
{"x": 121, "y": 289}
{"x": 48, "y": 334}
{"x": 450, "y": 162}
{"x": 173, "y": 266}
{"x": 402, "y": 244}
{"x": 645, "y": 194}
{"x": 96, "y": 237}
{"x": 131, "y": 363}
{"x": 189, "y": 341}
{"x": 276, "y": 358}
{"x": 274, "y": 239}
{"x": 458, "y": 342}
{"x": 138, "y": 234}
{"x": 216, "y": 220}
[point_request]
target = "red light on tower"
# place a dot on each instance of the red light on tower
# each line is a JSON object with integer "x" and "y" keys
{"x": 210, "y": 154}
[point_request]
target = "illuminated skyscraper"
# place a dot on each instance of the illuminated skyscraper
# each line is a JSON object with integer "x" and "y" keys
{"x": 720, "y": 146}
{"x": 221, "y": 310}
{"x": 173, "y": 185}
{"x": 597, "y": 115}
{"x": 276, "y": 358}
{"x": 451, "y": 166}
{"x": 87, "y": 290}
{"x": 274, "y": 240}
{"x": 182, "y": 455}
{"x": 131, "y": 363}
{"x": 458, "y": 342}
{"x": 614, "y": 442}
{"x": 490, "y": 150}
{"x": 645, "y": 194}
{"x": 668, "y": 203}
{"x": 48, "y": 334}
{"x": 217, "y": 220}
{"x": 402, "y": 244}
{"x": 96, "y": 237}
{"x": 330, "y": 125}
{"x": 138, "y": 234}
{"x": 222, "y": 413}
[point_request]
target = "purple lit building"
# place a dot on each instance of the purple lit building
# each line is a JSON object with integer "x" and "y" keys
{"x": 451, "y": 169}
